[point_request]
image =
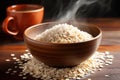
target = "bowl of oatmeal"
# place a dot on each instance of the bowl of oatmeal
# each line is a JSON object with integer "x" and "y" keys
{"x": 62, "y": 44}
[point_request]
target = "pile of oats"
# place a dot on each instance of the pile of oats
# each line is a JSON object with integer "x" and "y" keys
{"x": 63, "y": 33}
{"x": 39, "y": 70}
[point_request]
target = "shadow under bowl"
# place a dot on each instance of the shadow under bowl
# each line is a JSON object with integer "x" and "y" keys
{"x": 62, "y": 54}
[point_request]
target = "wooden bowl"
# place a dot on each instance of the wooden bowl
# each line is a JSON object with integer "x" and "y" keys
{"x": 62, "y": 54}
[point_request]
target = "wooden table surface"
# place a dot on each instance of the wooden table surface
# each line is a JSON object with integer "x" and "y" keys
{"x": 110, "y": 42}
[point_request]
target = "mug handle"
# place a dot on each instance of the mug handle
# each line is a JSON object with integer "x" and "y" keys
{"x": 5, "y": 26}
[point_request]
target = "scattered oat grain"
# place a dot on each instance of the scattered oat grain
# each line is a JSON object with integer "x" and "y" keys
{"x": 14, "y": 58}
{"x": 12, "y": 55}
{"x": 107, "y": 75}
{"x": 89, "y": 79}
{"x": 7, "y": 60}
{"x": 24, "y": 78}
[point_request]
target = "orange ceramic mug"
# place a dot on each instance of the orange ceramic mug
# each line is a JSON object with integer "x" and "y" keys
{"x": 21, "y": 16}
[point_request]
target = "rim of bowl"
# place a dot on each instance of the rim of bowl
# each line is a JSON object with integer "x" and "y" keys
{"x": 49, "y": 43}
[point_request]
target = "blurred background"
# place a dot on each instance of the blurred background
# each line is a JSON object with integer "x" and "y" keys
{"x": 54, "y": 9}
{"x": 99, "y": 8}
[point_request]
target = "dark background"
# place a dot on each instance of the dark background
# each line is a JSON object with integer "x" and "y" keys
{"x": 52, "y": 7}
{"x": 101, "y": 8}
